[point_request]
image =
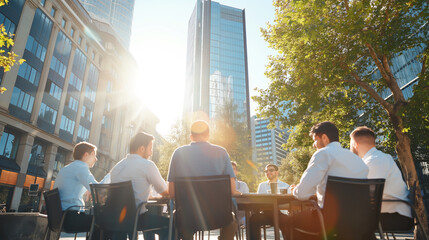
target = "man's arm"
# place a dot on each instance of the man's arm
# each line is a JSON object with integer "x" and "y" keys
{"x": 234, "y": 188}
{"x": 171, "y": 189}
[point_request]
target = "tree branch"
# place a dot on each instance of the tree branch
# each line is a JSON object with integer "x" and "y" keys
{"x": 423, "y": 71}
{"x": 377, "y": 61}
{"x": 392, "y": 83}
{"x": 346, "y": 4}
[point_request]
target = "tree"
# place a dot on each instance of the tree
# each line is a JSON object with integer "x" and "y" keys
{"x": 334, "y": 61}
{"x": 7, "y": 58}
{"x": 229, "y": 130}
{"x": 294, "y": 164}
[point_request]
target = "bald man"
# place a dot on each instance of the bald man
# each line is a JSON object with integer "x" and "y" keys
{"x": 394, "y": 215}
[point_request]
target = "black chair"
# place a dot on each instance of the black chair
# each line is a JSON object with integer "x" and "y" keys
{"x": 351, "y": 208}
{"x": 115, "y": 208}
{"x": 55, "y": 213}
{"x": 203, "y": 203}
{"x": 410, "y": 202}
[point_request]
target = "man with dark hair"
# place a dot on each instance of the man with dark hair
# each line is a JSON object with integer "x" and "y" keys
{"x": 330, "y": 159}
{"x": 262, "y": 218}
{"x": 394, "y": 215}
{"x": 143, "y": 173}
{"x": 201, "y": 158}
{"x": 72, "y": 182}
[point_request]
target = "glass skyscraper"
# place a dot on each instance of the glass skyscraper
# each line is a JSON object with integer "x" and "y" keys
{"x": 217, "y": 72}
{"x": 118, "y": 13}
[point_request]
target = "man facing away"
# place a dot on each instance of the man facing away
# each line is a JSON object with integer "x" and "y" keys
{"x": 394, "y": 215}
{"x": 72, "y": 182}
{"x": 265, "y": 217}
{"x": 330, "y": 159}
{"x": 143, "y": 174}
{"x": 201, "y": 158}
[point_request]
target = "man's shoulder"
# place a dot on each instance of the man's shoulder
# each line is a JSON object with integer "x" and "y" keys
{"x": 378, "y": 156}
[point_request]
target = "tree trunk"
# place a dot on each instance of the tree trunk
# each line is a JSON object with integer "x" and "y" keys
{"x": 408, "y": 167}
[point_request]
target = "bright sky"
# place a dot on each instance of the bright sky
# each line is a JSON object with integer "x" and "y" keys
{"x": 159, "y": 41}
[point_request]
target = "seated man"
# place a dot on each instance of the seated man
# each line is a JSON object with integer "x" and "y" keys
{"x": 143, "y": 174}
{"x": 241, "y": 187}
{"x": 72, "y": 182}
{"x": 394, "y": 215}
{"x": 201, "y": 158}
{"x": 330, "y": 159}
{"x": 262, "y": 218}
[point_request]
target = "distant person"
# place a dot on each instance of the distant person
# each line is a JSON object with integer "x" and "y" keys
{"x": 143, "y": 173}
{"x": 73, "y": 182}
{"x": 330, "y": 159}
{"x": 394, "y": 215}
{"x": 261, "y": 218}
{"x": 200, "y": 158}
{"x": 241, "y": 187}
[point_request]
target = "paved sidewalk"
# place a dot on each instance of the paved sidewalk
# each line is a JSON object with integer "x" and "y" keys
{"x": 215, "y": 234}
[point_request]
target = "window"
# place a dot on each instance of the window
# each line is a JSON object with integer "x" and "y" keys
{"x": 42, "y": 2}
{"x": 28, "y": 73}
{"x": 72, "y": 32}
{"x": 93, "y": 55}
{"x": 36, "y": 48}
{"x": 9, "y": 143}
{"x": 22, "y": 100}
{"x": 63, "y": 23}
{"x": 53, "y": 90}
{"x": 79, "y": 41}
{"x": 47, "y": 113}
{"x": 67, "y": 124}
{"x": 53, "y": 10}
{"x": 86, "y": 47}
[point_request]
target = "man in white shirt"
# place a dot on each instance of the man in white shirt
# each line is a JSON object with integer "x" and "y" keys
{"x": 72, "y": 182}
{"x": 143, "y": 174}
{"x": 330, "y": 159}
{"x": 258, "y": 219}
{"x": 394, "y": 215}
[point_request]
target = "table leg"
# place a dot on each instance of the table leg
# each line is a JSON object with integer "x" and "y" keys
{"x": 247, "y": 224}
{"x": 276, "y": 221}
{"x": 170, "y": 223}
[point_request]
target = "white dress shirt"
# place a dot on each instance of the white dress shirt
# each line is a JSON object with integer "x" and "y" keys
{"x": 265, "y": 186}
{"x": 241, "y": 186}
{"x": 332, "y": 160}
{"x": 381, "y": 165}
{"x": 142, "y": 173}
{"x": 72, "y": 182}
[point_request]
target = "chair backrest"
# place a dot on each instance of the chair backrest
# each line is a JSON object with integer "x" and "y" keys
{"x": 352, "y": 207}
{"x": 53, "y": 209}
{"x": 114, "y": 206}
{"x": 203, "y": 203}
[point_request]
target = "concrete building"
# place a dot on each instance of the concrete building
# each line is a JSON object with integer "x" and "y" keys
{"x": 117, "y": 13}
{"x": 75, "y": 86}
{"x": 267, "y": 143}
{"x": 217, "y": 72}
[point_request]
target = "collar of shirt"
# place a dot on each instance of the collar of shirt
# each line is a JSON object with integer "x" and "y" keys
{"x": 369, "y": 153}
{"x": 334, "y": 145}
{"x": 81, "y": 163}
{"x": 133, "y": 155}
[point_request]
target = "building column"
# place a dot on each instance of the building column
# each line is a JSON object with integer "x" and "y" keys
{"x": 51, "y": 152}
{"x": 22, "y": 159}
{"x": 44, "y": 75}
{"x": 21, "y": 36}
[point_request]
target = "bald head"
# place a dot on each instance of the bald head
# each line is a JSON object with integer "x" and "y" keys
{"x": 200, "y": 131}
{"x": 362, "y": 139}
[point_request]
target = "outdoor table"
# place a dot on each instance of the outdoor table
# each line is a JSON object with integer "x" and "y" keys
{"x": 22, "y": 225}
{"x": 260, "y": 202}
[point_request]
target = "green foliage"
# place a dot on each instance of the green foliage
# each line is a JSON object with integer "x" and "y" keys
{"x": 7, "y": 58}
{"x": 294, "y": 164}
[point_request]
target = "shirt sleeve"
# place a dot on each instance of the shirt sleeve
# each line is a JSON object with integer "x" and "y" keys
{"x": 245, "y": 188}
{"x": 312, "y": 176}
{"x": 261, "y": 188}
{"x": 171, "y": 169}
{"x": 86, "y": 178}
{"x": 229, "y": 171}
{"x": 154, "y": 177}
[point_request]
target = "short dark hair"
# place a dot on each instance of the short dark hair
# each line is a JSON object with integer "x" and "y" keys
{"x": 140, "y": 139}
{"x": 272, "y": 165}
{"x": 327, "y": 128}
{"x": 81, "y": 148}
{"x": 363, "y": 131}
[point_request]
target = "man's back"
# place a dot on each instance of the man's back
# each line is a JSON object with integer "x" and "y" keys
{"x": 199, "y": 159}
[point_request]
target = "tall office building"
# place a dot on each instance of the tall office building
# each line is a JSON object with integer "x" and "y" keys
{"x": 72, "y": 87}
{"x": 216, "y": 73}
{"x": 118, "y": 13}
{"x": 267, "y": 143}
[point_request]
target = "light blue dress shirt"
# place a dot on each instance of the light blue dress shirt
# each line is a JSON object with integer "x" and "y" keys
{"x": 72, "y": 182}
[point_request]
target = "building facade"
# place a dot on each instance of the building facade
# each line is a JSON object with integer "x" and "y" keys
{"x": 216, "y": 70}
{"x": 267, "y": 143}
{"x": 118, "y": 13}
{"x": 74, "y": 86}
